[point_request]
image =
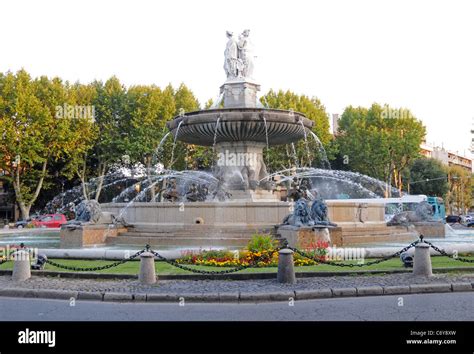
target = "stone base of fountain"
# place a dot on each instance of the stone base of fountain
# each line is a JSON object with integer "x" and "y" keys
{"x": 430, "y": 229}
{"x": 240, "y": 166}
{"x": 232, "y": 223}
{"x": 88, "y": 235}
{"x": 258, "y": 195}
{"x": 308, "y": 236}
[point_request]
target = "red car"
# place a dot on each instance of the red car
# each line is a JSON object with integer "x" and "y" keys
{"x": 50, "y": 220}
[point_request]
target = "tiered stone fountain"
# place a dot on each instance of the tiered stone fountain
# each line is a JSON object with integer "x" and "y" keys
{"x": 238, "y": 128}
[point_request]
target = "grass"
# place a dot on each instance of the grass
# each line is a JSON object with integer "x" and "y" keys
{"x": 165, "y": 268}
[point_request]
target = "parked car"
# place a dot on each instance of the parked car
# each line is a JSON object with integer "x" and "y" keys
{"x": 468, "y": 218}
{"x": 50, "y": 220}
{"x": 451, "y": 219}
{"x": 20, "y": 224}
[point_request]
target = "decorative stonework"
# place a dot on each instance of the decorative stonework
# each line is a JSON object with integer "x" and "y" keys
{"x": 240, "y": 94}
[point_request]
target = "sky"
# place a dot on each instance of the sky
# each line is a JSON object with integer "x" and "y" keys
{"x": 413, "y": 54}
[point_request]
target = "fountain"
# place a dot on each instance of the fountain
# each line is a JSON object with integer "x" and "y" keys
{"x": 226, "y": 206}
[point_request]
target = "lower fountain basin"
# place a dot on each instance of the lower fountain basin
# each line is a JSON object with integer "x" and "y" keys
{"x": 240, "y": 124}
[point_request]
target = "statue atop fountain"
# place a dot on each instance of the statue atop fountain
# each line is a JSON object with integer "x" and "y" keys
{"x": 232, "y": 63}
{"x": 238, "y": 63}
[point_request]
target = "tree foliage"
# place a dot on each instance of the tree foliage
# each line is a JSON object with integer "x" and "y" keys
{"x": 302, "y": 153}
{"x": 459, "y": 196}
{"x": 428, "y": 176}
{"x": 378, "y": 143}
{"x": 33, "y": 136}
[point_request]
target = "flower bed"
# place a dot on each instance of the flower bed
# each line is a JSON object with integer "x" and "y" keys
{"x": 260, "y": 252}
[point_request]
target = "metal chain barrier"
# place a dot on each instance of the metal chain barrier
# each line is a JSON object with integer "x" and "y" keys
{"x": 94, "y": 269}
{"x": 444, "y": 253}
{"x": 351, "y": 265}
{"x": 214, "y": 272}
{"x": 254, "y": 262}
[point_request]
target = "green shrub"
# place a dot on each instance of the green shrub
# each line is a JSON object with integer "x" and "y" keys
{"x": 216, "y": 254}
{"x": 259, "y": 243}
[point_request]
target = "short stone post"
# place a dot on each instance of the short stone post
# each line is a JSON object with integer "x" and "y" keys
{"x": 286, "y": 270}
{"x": 21, "y": 266}
{"x": 147, "y": 268}
{"x": 422, "y": 261}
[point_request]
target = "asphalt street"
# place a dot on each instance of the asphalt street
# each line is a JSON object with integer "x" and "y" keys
{"x": 416, "y": 307}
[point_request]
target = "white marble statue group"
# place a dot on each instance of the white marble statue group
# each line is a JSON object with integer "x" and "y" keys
{"x": 238, "y": 56}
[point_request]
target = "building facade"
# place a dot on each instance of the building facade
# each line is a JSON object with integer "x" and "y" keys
{"x": 446, "y": 157}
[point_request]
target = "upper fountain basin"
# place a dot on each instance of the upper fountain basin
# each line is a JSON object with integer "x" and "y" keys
{"x": 240, "y": 124}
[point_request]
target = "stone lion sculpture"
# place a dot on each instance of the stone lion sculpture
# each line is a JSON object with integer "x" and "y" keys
{"x": 301, "y": 215}
{"x": 319, "y": 213}
{"x": 90, "y": 212}
{"x": 422, "y": 212}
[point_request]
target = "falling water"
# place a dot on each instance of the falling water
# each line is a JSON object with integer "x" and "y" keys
{"x": 295, "y": 157}
{"x": 218, "y": 101}
{"x": 322, "y": 152}
{"x": 266, "y": 131}
{"x": 160, "y": 145}
{"x": 306, "y": 143}
{"x": 332, "y": 183}
{"x": 174, "y": 143}
{"x": 215, "y": 133}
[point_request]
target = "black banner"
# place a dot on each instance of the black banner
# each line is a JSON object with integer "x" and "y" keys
{"x": 290, "y": 337}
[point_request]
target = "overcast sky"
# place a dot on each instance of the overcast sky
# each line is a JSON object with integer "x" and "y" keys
{"x": 413, "y": 54}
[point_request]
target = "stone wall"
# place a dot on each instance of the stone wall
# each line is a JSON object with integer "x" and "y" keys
{"x": 250, "y": 213}
{"x": 87, "y": 235}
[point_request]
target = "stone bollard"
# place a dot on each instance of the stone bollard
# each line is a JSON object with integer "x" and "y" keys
{"x": 286, "y": 270}
{"x": 21, "y": 266}
{"x": 422, "y": 261}
{"x": 147, "y": 268}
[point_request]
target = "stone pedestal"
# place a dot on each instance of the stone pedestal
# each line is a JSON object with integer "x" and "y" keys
{"x": 307, "y": 236}
{"x": 286, "y": 270}
{"x": 147, "y": 268}
{"x": 21, "y": 266}
{"x": 422, "y": 261}
{"x": 430, "y": 229}
{"x": 240, "y": 94}
{"x": 240, "y": 165}
{"x": 79, "y": 236}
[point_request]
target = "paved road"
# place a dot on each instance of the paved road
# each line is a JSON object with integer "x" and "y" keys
{"x": 419, "y": 307}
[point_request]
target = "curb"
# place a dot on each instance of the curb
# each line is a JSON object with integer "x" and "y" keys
{"x": 225, "y": 297}
{"x": 232, "y": 276}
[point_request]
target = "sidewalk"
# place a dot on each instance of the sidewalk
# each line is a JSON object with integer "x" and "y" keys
{"x": 232, "y": 291}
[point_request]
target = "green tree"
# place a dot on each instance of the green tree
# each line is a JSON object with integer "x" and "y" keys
{"x": 458, "y": 198}
{"x": 186, "y": 156}
{"x": 33, "y": 136}
{"x": 86, "y": 133}
{"x": 379, "y": 141}
{"x": 110, "y": 119}
{"x": 209, "y": 103}
{"x": 284, "y": 156}
{"x": 428, "y": 176}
